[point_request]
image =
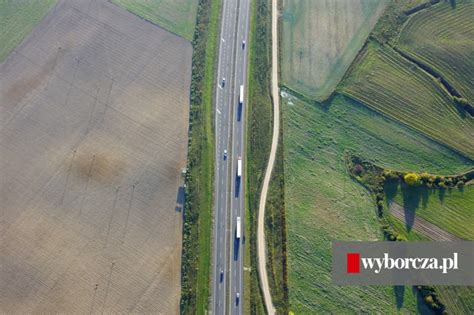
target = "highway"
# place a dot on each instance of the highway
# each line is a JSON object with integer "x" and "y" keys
{"x": 227, "y": 273}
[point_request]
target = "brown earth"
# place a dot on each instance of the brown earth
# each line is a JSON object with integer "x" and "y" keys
{"x": 93, "y": 137}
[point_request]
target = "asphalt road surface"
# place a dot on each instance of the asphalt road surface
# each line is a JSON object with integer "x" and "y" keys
{"x": 230, "y": 133}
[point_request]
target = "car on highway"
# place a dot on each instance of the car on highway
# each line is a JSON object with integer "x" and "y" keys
{"x": 223, "y": 82}
{"x": 237, "y": 298}
{"x": 225, "y": 154}
{"x": 222, "y": 275}
{"x": 243, "y": 44}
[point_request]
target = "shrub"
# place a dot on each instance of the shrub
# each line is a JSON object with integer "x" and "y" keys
{"x": 412, "y": 179}
{"x": 425, "y": 177}
{"x": 358, "y": 169}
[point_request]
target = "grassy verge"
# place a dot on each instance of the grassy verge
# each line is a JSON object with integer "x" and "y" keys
{"x": 17, "y": 20}
{"x": 260, "y": 111}
{"x": 276, "y": 234}
{"x": 259, "y": 129}
{"x": 176, "y": 16}
{"x": 196, "y": 256}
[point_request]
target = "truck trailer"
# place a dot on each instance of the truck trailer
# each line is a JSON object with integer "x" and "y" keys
{"x": 237, "y": 228}
{"x": 241, "y": 95}
{"x": 239, "y": 166}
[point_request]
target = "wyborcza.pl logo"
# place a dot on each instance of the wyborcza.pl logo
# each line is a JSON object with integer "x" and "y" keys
{"x": 376, "y": 264}
{"x": 403, "y": 263}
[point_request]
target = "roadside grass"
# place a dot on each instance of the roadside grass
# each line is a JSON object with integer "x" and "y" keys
{"x": 399, "y": 89}
{"x": 442, "y": 37}
{"x": 196, "y": 256}
{"x": 176, "y": 16}
{"x": 449, "y": 209}
{"x": 324, "y": 204}
{"x": 320, "y": 39}
{"x": 276, "y": 234}
{"x": 17, "y": 20}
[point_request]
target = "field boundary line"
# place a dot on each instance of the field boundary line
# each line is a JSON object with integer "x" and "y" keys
{"x": 261, "y": 250}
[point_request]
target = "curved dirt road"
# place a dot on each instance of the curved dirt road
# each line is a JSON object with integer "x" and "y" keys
{"x": 262, "y": 259}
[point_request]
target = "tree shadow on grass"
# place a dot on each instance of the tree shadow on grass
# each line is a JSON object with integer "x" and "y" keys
{"x": 391, "y": 189}
{"x": 421, "y": 306}
{"x": 441, "y": 194}
{"x": 412, "y": 197}
{"x": 399, "y": 291}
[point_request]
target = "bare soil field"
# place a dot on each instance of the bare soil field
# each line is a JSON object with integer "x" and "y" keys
{"x": 93, "y": 136}
{"x": 320, "y": 39}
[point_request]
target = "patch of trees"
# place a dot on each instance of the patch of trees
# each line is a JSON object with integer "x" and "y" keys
{"x": 429, "y": 180}
{"x": 391, "y": 235}
{"x": 429, "y": 296}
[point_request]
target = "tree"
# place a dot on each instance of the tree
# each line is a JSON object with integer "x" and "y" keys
{"x": 412, "y": 179}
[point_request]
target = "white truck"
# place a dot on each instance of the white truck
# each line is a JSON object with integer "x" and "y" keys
{"x": 237, "y": 228}
{"x": 239, "y": 166}
{"x": 241, "y": 95}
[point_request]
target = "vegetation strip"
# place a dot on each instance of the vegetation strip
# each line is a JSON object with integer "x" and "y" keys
{"x": 258, "y": 143}
{"x": 197, "y": 221}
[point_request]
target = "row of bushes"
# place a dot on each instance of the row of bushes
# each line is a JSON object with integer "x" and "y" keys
{"x": 428, "y": 180}
{"x": 464, "y": 103}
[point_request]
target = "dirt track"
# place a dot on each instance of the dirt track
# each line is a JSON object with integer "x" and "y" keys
{"x": 422, "y": 226}
{"x": 93, "y": 137}
{"x": 261, "y": 245}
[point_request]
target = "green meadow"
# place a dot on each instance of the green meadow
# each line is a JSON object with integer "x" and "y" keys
{"x": 325, "y": 204}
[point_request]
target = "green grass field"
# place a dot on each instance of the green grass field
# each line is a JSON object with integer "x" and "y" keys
{"x": 17, "y": 20}
{"x": 320, "y": 39}
{"x": 450, "y": 209}
{"x": 442, "y": 37}
{"x": 325, "y": 204}
{"x": 397, "y": 88}
{"x": 176, "y": 16}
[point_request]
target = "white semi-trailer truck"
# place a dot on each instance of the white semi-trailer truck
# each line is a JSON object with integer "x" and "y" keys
{"x": 239, "y": 166}
{"x": 241, "y": 95}
{"x": 237, "y": 228}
